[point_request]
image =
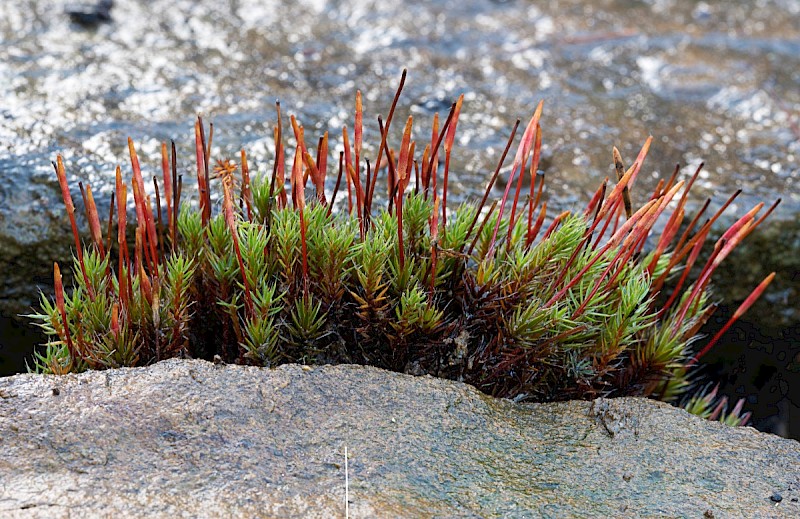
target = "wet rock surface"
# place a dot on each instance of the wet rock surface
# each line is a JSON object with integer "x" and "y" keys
{"x": 712, "y": 81}
{"x": 190, "y": 438}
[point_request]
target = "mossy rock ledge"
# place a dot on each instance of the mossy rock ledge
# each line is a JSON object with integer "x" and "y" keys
{"x": 187, "y": 438}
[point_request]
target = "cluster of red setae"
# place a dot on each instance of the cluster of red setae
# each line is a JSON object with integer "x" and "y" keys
{"x": 481, "y": 268}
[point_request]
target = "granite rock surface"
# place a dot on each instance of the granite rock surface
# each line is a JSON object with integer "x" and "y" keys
{"x": 194, "y": 439}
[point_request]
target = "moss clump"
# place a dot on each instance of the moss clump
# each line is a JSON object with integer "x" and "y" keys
{"x": 518, "y": 304}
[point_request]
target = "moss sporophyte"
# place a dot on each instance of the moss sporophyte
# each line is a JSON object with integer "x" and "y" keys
{"x": 499, "y": 295}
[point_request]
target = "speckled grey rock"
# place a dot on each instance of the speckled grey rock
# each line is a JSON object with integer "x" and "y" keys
{"x": 194, "y": 439}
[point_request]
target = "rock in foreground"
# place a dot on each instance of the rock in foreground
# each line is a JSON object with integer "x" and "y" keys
{"x": 194, "y": 439}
